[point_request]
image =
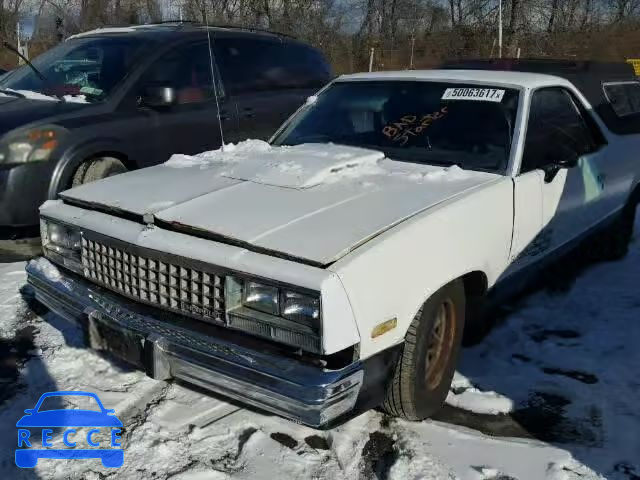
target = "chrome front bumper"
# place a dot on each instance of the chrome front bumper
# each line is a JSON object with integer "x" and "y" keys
{"x": 166, "y": 349}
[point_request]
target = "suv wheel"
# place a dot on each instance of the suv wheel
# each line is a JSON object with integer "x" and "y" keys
{"x": 97, "y": 169}
{"x": 423, "y": 375}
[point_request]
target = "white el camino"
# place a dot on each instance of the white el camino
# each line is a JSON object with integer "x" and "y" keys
{"x": 336, "y": 267}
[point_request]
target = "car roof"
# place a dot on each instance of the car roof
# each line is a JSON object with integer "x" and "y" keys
{"x": 507, "y": 79}
{"x": 562, "y": 68}
{"x": 178, "y": 30}
{"x": 590, "y": 77}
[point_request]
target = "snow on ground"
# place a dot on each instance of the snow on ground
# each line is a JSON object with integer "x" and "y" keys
{"x": 550, "y": 394}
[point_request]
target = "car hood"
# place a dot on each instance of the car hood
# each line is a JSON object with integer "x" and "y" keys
{"x": 16, "y": 112}
{"x": 310, "y": 202}
{"x": 69, "y": 418}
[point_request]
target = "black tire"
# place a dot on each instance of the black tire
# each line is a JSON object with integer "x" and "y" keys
{"x": 613, "y": 244}
{"x": 419, "y": 387}
{"x": 97, "y": 169}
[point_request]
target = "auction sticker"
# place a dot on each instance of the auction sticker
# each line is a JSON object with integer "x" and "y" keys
{"x": 475, "y": 94}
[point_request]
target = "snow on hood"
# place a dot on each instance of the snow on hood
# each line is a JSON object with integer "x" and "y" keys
{"x": 228, "y": 153}
{"x": 30, "y": 95}
{"x": 314, "y": 202}
{"x": 301, "y": 166}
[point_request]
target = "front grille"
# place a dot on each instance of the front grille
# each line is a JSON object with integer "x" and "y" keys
{"x": 155, "y": 281}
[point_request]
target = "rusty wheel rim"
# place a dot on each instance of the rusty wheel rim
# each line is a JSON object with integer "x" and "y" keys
{"x": 440, "y": 343}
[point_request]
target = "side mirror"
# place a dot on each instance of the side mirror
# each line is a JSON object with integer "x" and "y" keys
{"x": 568, "y": 159}
{"x": 158, "y": 97}
{"x": 29, "y": 411}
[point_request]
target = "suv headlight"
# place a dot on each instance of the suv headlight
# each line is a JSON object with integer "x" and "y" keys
{"x": 33, "y": 145}
{"x": 281, "y": 313}
{"x": 62, "y": 244}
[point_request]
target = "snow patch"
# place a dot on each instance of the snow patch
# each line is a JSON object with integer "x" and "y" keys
{"x": 76, "y": 98}
{"x": 466, "y": 396}
{"x": 477, "y": 401}
{"x": 228, "y": 153}
{"x": 307, "y": 165}
{"x": 48, "y": 269}
{"x": 451, "y": 173}
{"x": 31, "y": 95}
{"x": 351, "y": 172}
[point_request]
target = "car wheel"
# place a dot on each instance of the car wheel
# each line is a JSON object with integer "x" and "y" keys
{"x": 97, "y": 169}
{"x": 614, "y": 242}
{"x": 424, "y": 371}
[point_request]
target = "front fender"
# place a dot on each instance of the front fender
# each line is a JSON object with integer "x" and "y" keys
{"x": 395, "y": 273}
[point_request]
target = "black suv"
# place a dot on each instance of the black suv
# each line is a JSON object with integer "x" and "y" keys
{"x": 117, "y": 99}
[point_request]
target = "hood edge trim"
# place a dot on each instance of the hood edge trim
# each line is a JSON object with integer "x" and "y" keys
{"x": 195, "y": 232}
{"x": 216, "y": 237}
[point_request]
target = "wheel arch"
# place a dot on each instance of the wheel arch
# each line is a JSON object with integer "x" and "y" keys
{"x": 475, "y": 283}
{"x": 70, "y": 161}
{"x": 634, "y": 197}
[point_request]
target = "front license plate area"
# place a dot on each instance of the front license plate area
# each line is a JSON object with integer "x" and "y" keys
{"x": 126, "y": 345}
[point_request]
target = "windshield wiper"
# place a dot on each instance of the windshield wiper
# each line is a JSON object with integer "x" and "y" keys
{"x": 40, "y": 75}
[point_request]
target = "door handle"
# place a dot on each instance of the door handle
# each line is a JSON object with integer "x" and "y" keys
{"x": 248, "y": 113}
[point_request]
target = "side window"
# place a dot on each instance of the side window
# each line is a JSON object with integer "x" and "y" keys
{"x": 556, "y": 129}
{"x": 253, "y": 65}
{"x": 187, "y": 69}
{"x": 243, "y": 64}
{"x": 300, "y": 67}
{"x": 624, "y": 97}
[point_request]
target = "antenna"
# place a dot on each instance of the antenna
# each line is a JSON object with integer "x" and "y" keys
{"x": 213, "y": 78}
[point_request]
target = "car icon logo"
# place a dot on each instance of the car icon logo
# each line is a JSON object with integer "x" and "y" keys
{"x": 43, "y": 417}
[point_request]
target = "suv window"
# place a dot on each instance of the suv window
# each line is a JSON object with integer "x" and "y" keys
{"x": 304, "y": 66}
{"x": 624, "y": 97}
{"x": 187, "y": 69}
{"x": 556, "y": 129}
{"x": 252, "y": 65}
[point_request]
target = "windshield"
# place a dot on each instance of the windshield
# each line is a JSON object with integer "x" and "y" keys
{"x": 415, "y": 121}
{"x": 85, "y": 66}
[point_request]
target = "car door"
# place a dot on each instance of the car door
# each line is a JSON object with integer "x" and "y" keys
{"x": 553, "y": 204}
{"x": 259, "y": 81}
{"x": 260, "y": 114}
{"x": 190, "y": 125}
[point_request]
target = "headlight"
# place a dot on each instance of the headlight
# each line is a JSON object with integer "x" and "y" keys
{"x": 278, "y": 312}
{"x": 300, "y": 308}
{"x": 34, "y": 145}
{"x": 261, "y": 297}
{"x": 62, "y": 244}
